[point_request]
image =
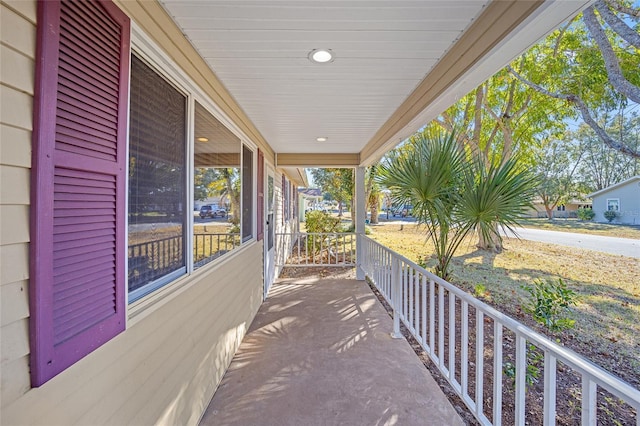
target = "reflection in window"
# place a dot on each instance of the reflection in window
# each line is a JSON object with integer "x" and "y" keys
{"x": 157, "y": 181}
{"x": 217, "y": 189}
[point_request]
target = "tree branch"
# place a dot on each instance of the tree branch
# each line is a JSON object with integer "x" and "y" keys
{"x": 586, "y": 115}
{"x": 614, "y": 73}
{"x": 617, "y": 24}
{"x": 616, "y": 5}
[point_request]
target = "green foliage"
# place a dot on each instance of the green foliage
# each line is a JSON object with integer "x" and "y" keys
{"x": 452, "y": 194}
{"x": 534, "y": 360}
{"x": 319, "y": 221}
{"x": 550, "y": 303}
{"x": 338, "y": 183}
{"x": 480, "y": 291}
{"x": 585, "y": 214}
{"x": 610, "y": 215}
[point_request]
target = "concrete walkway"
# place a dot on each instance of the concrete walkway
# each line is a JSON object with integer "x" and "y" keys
{"x": 319, "y": 352}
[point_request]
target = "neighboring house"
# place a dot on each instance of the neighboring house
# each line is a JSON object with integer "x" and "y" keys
{"x": 567, "y": 210}
{"x": 309, "y": 198}
{"x": 623, "y": 198}
{"x": 108, "y": 315}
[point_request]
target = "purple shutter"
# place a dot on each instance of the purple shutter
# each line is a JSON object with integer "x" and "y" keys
{"x": 77, "y": 288}
{"x": 260, "y": 201}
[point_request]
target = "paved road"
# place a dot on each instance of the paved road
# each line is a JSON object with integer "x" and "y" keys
{"x": 613, "y": 245}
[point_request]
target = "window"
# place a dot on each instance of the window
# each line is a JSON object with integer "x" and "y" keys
{"x": 216, "y": 188}
{"x": 247, "y": 193}
{"x": 613, "y": 204}
{"x": 157, "y": 181}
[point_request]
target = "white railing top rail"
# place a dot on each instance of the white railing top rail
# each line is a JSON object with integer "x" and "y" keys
{"x": 602, "y": 377}
{"x": 329, "y": 234}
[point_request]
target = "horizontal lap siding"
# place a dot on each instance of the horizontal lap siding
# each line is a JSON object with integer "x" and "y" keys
{"x": 17, "y": 33}
{"x": 165, "y": 367}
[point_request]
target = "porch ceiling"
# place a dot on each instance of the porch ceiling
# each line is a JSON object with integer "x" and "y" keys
{"x": 397, "y": 63}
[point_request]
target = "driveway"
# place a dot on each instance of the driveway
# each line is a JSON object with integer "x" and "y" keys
{"x": 622, "y": 246}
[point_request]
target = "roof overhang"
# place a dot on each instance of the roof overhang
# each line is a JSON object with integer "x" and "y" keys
{"x": 398, "y": 65}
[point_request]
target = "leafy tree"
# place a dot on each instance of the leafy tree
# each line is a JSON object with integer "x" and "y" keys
{"x": 338, "y": 183}
{"x": 589, "y": 63}
{"x": 558, "y": 161}
{"x": 503, "y": 117}
{"x": 602, "y": 166}
{"x": 454, "y": 195}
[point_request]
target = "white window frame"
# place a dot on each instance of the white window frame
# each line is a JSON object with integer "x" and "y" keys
{"x": 617, "y": 200}
{"x": 146, "y": 49}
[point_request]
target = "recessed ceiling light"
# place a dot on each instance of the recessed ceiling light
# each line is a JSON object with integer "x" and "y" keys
{"x": 202, "y": 139}
{"x": 322, "y": 139}
{"x": 321, "y": 56}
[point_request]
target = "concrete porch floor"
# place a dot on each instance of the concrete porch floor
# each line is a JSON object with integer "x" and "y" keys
{"x": 319, "y": 352}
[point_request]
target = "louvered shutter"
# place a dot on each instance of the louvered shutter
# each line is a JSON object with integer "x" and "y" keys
{"x": 78, "y": 286}
{"x": 260, "y": 200}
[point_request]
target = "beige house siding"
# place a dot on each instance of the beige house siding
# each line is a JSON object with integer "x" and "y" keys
{"x": 165, "y": 367}
{"x": 17, "y": 50}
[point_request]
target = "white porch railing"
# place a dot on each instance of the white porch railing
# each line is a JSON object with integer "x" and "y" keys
{"x": 315, "y": 249}
{"x": 489, "y": 364}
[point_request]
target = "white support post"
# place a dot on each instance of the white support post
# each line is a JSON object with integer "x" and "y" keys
{"x": 396, "y": 296}
{"x": 359, "y": 217}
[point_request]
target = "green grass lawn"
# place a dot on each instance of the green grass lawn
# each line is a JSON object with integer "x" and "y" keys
{"x": 607, "y": 329}
{"x": 581, "y": 227}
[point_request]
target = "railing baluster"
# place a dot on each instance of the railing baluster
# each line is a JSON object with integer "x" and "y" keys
{"x": 423, "y": 317}
{"x": 432, "y": 318}
{"x": 410, "y": 287}
{"x": 395, "y": 296}
{"x": 549, "y": 388}
{"x": 589, "y": 407}
{"x": 441, "y": 325}
{"x": 479, "y": 362}
{"x": 452, "y": 337}
{"x": 405, "y": 298}
{"x": 464, "y": 356}
{"x": 497, "y": 373}
{"x": 521, "y": 378}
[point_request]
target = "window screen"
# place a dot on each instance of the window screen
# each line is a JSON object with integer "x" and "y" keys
{"x": 157, "y": 182}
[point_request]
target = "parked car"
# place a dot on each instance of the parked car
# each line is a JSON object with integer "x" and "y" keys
{"x": 211, "y": 210}
{"x": 402, "y": 211}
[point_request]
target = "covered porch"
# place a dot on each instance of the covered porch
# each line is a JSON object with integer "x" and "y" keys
{"x": 320, "y": 351}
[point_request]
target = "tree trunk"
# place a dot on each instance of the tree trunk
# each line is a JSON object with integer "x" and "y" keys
{"x": 549, "y": 212}
{"x": 493, "y": 243}
{"x": 374, "y": 211}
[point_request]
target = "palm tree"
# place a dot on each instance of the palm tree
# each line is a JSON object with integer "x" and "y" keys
{"x": 454, "y": 195}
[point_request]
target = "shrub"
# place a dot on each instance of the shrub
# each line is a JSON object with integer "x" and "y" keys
{"x": 610, "y": 215}
{"x": 319, "y": 221}
{"x": 585, "y": 214}
{"x": 550, "y": 303}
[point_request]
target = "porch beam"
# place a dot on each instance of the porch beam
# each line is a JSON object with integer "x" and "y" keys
{"x": 317, "y": 160}
{"x": 359, "y": 217}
